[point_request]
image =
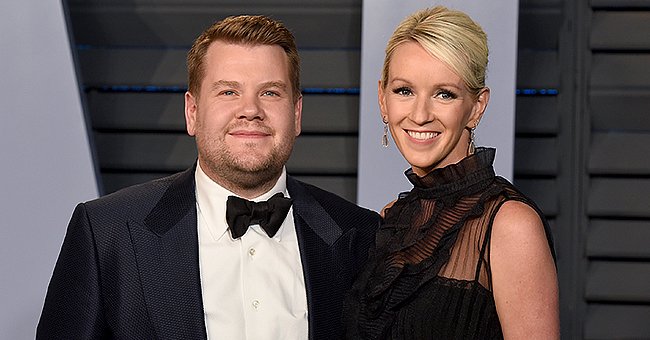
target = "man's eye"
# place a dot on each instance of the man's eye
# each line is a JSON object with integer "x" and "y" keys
{"x": 270, "y": 93}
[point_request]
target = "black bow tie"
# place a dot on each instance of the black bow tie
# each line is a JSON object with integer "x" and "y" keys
{"x": 241, "y": 213}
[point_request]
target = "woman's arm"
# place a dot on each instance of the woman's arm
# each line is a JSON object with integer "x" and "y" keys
{"x": 524, "y": 276}
{"x": 386, "y": 207}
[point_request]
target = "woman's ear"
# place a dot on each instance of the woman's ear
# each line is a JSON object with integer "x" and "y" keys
{"x": 381, "y": 98}
{"x": 479, "y": 107}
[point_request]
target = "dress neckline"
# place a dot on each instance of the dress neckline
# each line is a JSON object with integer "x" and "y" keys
{"x": 472, "y": 172}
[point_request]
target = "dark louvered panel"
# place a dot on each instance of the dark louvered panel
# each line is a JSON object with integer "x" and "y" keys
{"x": 177, "y": 23}
{"x": 609, "y": 281}
{"x": 617, "y": 203}
{"x": 538, "y": 69}
{"x": 536, "y": 156}
{"x": 324, "y": 155}
{"x": 619, "y": 152}
{"x": 537, "y": 123}
{"x": 616, "y": 4}
{"x": 163, "y": 152}
{"x": 541, "y": 169}
{"x": 537, "y": 115}
{"x": 252, "y": 4}
{"x": 330, "y": 114}
{"x": 539, "y": 24}
{"x": 116, "y": 180}
{"x": 129, "y": 158}
{"x": 166, "y": 67}
{"x": 159, "y": 111}
{"x": 141, "y": 66}
{"x": 153, "y": 152}
{"x": 606, "y": 321}
{"x": 604, "y": 239}
{"x": 620, "y": 30}
{"x": 132, "y": 61}
{"x": 137, "y": 111}
{"x": 333, "y": 68}
{"x": 620, "y": 197}
{"x": 620, "y": 110}
{"x": 544, "y": 4}
{"x": 543, "y": 192}
{"x": 620, "y": 70}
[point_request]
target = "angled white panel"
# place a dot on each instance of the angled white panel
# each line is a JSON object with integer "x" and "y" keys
{"x": 46, "y": 160}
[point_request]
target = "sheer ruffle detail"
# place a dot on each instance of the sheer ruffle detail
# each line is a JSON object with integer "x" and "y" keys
{"x": 466, "y": 176}
{"x": 419, "y": 232}
{"x": 455, "y": 194}
{"x": 429, "y": 276}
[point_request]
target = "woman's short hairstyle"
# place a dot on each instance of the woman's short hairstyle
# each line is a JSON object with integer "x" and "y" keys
{"x": 448, "y": 35}
{"x": 246, "y": 30}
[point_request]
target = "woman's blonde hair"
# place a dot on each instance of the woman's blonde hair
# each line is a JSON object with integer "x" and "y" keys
{"x": 448, "y": 35}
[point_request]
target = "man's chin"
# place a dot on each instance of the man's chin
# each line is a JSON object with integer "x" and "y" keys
{"x": 251, "y": 162}
{"x": 255, "y": 176}
{"x": 249, "y": 147}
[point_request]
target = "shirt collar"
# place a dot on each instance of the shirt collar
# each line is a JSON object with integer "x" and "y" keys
{"x": 211, "y": 201}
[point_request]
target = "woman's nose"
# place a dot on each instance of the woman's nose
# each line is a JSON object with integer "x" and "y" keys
{"x": 422, "y": 112}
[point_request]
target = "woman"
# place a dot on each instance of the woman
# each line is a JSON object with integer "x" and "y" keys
{"x": 464, "y": 254}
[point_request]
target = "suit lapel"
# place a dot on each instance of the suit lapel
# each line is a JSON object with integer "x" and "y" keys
{"x": 166, "y": 250}
{"x": 325, "y": 255}
{"x": 312, "y": 213}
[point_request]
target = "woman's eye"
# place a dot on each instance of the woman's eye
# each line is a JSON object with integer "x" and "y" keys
{"x": 446, "y": 95}
{"x": 403, "y": 91}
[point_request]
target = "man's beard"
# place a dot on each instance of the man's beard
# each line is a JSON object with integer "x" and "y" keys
{"x": 243, "y": 171}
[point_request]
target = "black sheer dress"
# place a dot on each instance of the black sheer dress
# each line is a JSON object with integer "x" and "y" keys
{"x": 429, "y": 275}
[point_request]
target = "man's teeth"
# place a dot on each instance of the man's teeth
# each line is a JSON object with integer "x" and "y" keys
{"x": 422, "y": 135}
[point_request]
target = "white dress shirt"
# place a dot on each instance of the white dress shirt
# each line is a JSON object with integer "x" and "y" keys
{"x": 253, "y": 287}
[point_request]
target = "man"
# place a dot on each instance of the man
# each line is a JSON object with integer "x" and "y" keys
{"x": 168, "y": 259}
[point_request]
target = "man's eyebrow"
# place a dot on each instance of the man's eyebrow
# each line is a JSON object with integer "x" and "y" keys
{"x": 225, "y": 83}
{"x": 235, "y": 84}
{"x": 278, "y": 83}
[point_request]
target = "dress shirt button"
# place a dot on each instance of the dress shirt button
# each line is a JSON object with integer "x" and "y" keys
{"x": 251, "y": 252}
{"x": 256, "y": 304}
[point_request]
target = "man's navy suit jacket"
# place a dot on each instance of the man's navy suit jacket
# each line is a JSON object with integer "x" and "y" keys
{"x": 129, "y": 264}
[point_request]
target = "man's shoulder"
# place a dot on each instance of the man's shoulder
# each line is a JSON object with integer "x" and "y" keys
{"x": 142, "y": 196}
{"x": 328, "y": 200}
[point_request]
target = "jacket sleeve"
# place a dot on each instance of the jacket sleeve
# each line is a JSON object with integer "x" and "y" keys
{"x": 73, "y": 306}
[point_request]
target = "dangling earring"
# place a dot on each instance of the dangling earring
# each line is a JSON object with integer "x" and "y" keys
{"x": 384, "y": 137}
{"x": 472, "y": 147}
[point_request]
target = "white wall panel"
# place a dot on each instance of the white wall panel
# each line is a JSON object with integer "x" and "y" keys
{"x": 46, "y": 161}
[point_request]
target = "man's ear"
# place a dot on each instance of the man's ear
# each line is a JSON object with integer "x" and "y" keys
{"x": 190, "y": 113}
{"x": 297, "y": 110}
